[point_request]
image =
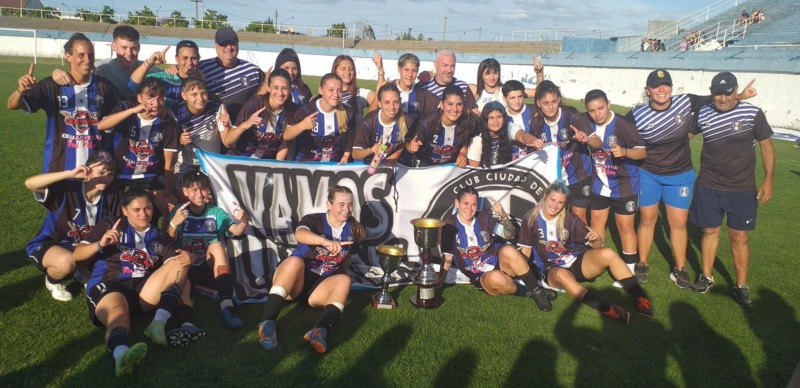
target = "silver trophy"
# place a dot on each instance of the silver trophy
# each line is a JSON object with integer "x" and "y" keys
{"x": 427, "y": 232}
{"x": 389, "y": 257}
{"x": 612, "y": 141}
{"x": 563, "y": 136}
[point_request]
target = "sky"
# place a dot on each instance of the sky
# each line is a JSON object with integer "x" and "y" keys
{"x": 468, "y": 20}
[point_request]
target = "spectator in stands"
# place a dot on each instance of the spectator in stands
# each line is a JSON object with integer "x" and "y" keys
{"x": 491, "y": 146}
{"x": 684, "y": 44}
{"x": 72, "y": 111}
{"x": 316, "y": 272}
{"x": 644, "y": 46}
{"x": 76, "y": 200}
{"x": 145, "y": 141}
{"x": 564, "y": 125}
{"x": 324, "y": 129}
{"x": 187, "y": 56}
{"x": 744, "y": 18}
{"x": 229, "y": 78}
{"x": 388, "y": 126}
{"x": 431, "y": 95}
{"x": 288, "y": 60}
{"x": 264, "y": 118}
{"x": 443, "y": 138}
{"x": 490, "y": 86}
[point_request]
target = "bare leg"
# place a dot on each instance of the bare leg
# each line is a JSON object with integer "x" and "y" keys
{"x": 678, "y": 236}
{"x": 648, "y": 216}
{"x": 740, "y": 249}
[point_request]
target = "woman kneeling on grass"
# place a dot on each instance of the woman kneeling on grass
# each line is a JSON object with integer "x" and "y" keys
{"x": 468, "y": 240}
{"x": 137, "y": 270}
{"x": 316, "y": 272}
{"x": 569, "y": 253}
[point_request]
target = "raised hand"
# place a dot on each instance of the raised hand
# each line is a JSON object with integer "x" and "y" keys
{"x": 27, "y": 81}
{"x": 111, "y": 236}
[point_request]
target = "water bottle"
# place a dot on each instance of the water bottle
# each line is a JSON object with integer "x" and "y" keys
{"x": 377, "y": 159}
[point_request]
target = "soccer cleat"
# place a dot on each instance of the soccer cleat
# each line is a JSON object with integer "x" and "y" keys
{"x": 267, "y": 337}
{"x": 124, "y": 365}
{"x": 230, "y": 319}
{"x": 316, "y": 337}
{"x": 641, "y": 270}
{"x": 742, "y": 296}
{"x": 184, "y": 335}
{"x": 680, "y": 277}
{"x": 703, "y": 284}
{"x": 618, "y": 313}
{"x": 551, "y": 294}
{"x": 644, "y": 306}
{"x": 617, "y": 284}
{"x": 155, "y": 331}
{"x": 58, "y": 290}
{"x": 542, "y": 299}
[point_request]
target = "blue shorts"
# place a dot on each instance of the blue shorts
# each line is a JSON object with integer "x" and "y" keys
{"x": 674, "y": 190}
{"x": 710, "y": 205}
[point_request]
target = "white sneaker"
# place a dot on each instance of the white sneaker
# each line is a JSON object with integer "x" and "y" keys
{"x": 58, "y": 290}
{"x": 617, "y": 284}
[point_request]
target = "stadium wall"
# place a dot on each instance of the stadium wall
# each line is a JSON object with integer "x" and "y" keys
{"x": 620, "y": 75}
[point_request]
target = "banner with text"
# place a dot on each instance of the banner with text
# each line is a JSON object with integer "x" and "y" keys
{"x": 277, "y": 194}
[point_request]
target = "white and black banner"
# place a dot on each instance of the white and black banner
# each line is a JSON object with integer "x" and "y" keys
{"x": 277, "y": 194}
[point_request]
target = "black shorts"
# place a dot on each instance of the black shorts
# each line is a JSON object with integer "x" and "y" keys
{"x": 575, "y": 268}
{"x": 130, "y": 288}
{"x": 709, "y": 206}
{"x": 625, "y": 206}
{"x": 202, "y": 275}
{"x": 579, "y": 193}
{"x": 38, "y": 254}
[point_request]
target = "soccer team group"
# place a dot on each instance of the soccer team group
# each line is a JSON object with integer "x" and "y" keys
{"x": 120, "y": 155}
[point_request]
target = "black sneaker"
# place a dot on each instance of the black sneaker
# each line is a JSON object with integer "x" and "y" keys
{"x": 742, "y": 296}
{"x": 541, "y": 298}
{"x": 640, "y": 270}
{"x": 551, "y": 294}
{"x": 680, "y": 277}
{"x": 703, "y": 284}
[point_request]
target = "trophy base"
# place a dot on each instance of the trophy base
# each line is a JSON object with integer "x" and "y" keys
{"x": 377, "y": 304}
{"x": 434, "y": 302}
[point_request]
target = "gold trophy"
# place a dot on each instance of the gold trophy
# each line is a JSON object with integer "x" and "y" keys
{"x": 427, "y": 232}
{"x": 389, "y": 258}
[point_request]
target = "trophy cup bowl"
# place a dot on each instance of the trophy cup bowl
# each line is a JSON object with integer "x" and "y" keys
{"x": 389, "y": 257}
{"x": 427, "y": 232}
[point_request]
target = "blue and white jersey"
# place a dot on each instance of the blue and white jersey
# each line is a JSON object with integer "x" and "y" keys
{"x": 550, "y": 245}
{"x": 326, "y": 142}
{"x": 204, "y": 128}
{"x": 72, "y": 116}
{"x": 728, "y": 160}
{"x": 233, "y": 85}
{"x": 473, "y": 246}
{"x": 616, "y": 177}
{"x": 520, "y": 122}
{"x": 317, "y": 258}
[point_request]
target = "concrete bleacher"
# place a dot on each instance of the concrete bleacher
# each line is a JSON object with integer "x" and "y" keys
{"x": 288, "y": 40}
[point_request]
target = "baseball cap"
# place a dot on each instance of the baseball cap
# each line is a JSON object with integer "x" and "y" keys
{"x": 658, "y": 77}
{"x": 226, "y": 35}
{"x": 186, "y": 43}
{"x": 723, "y": 83}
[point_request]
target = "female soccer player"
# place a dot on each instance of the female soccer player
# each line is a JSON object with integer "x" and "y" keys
{"x": 442, "y": 138}
{"x": 387, "y": 127}
{"x": 288, "y": 60}
{"x": 556, "y": 122}
{"x": 468, "y": 240}
{"x": 568, "y": 253}
{"x": 489, "y": 87}
{"x": 76, "y": 200}
{"x": 491, "y": 146}
{"x": 316, "y": 272}
{"x": 274, "y": 111}
{"x": 137, "y": 270}
{"x": 145, "y": 141}
{"x": 324, "y": 129}
{"x": 616, "y": 172}
{"x": 353, "y": 97}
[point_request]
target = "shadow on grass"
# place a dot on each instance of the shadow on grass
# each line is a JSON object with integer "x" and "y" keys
{"x": 18, "y": 293}
{"x": 601, "y": 353}
{"x": 370, "y": 366}
{"x": 703, "y": 355}
{"x": 536, "y": 365}
{"x": 13, "y": 260}
{"x": 459, "y": 370}
{"x": 46, "y": 372}
{"x": 773, "y": 321}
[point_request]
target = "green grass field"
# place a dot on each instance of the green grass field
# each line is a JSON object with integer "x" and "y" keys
{"x": 472, "y": 340}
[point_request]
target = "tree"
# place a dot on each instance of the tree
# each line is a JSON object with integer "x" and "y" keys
{"x": 337, "y": 30}
{"x": 104, "y": 16}
{"x": 176, "y": 19}
{"x": 267, "y": 27}
{"x": 409, "y": 36}
{"x": 212, "y": 20}
{"x": 145, "y": 17}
